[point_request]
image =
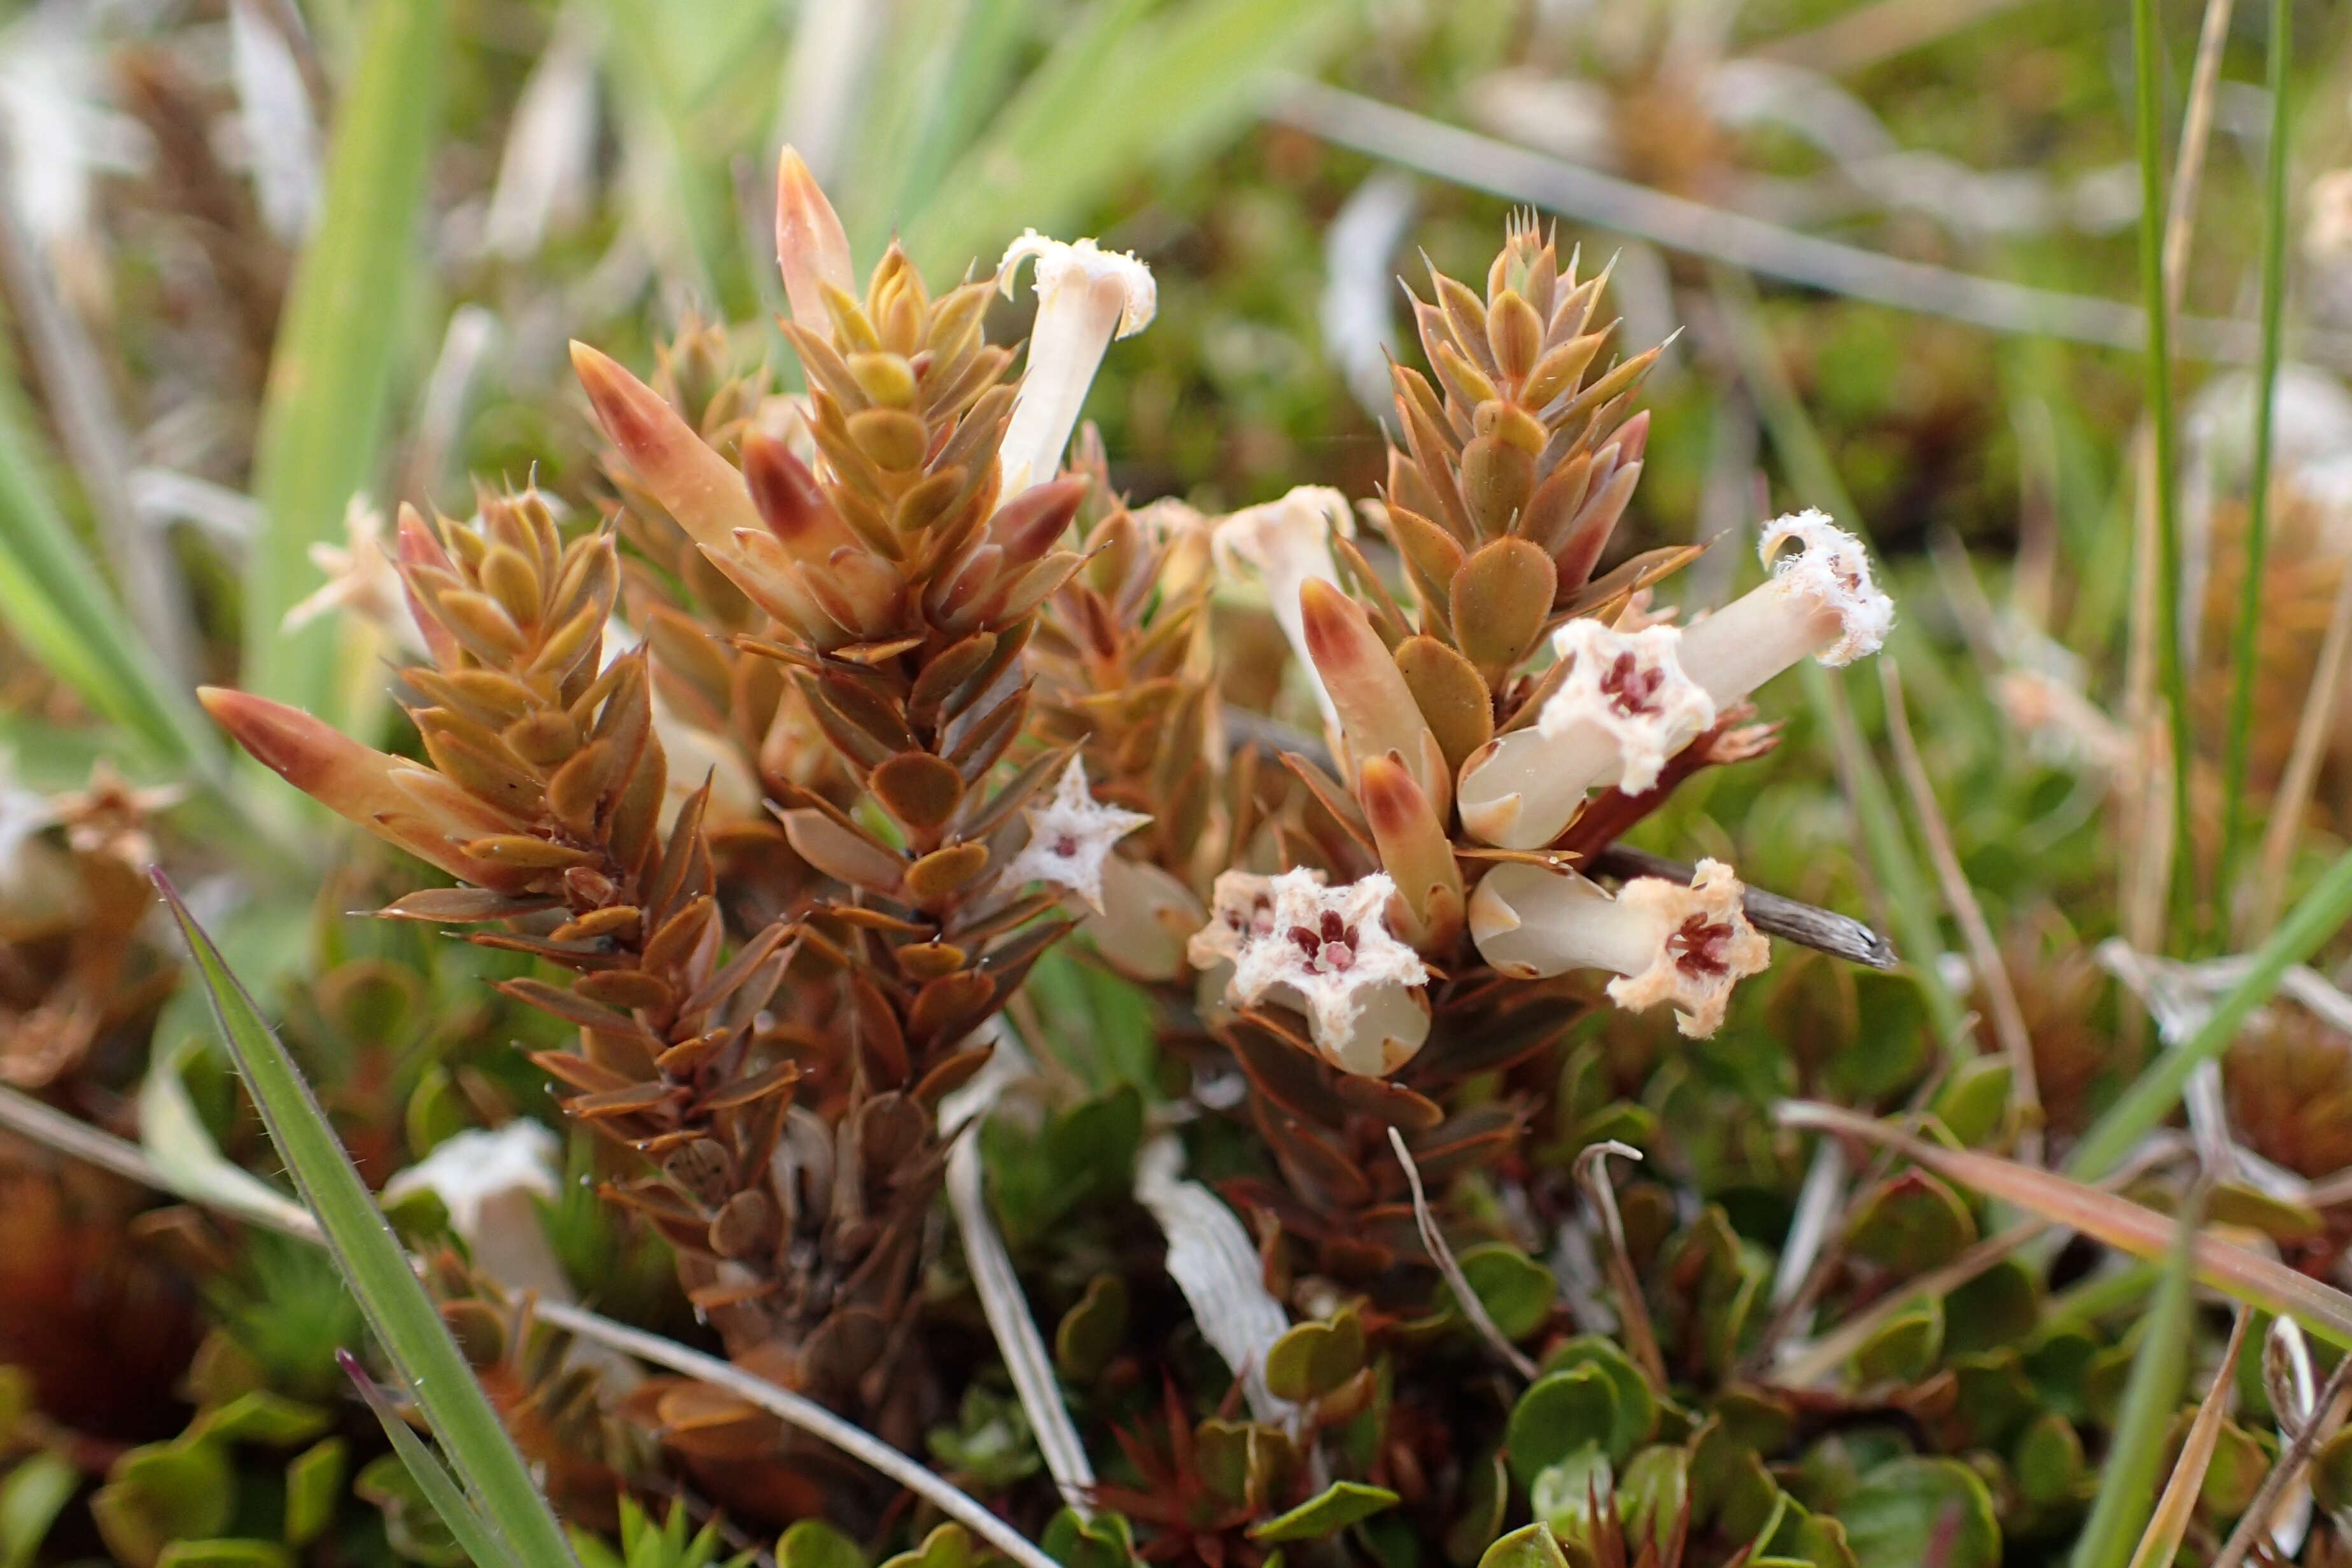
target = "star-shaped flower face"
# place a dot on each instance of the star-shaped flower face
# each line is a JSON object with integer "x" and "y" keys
{"x": 1328, "y": 951}
{"x": 1706, "y": 946}
{"x": 1630, "y": 687}
{"x": 1832, "y": 570}
{"x": 1070, "y": 838}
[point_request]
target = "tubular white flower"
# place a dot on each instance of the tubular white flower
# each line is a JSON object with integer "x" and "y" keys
{"x": 1070, "y": 837}
{"x": 1624, "y": 706}
{"x": 491, "y": 1182}
{"x": 1687, "y": 946}
{"x": 1819, "y": 602}
{"x": 1086, "y": 297}
{"x": 1326, "y": 951}
{"x": 1284, "y": 542}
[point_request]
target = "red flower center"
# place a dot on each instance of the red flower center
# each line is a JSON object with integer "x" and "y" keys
{"x": 1632, "y": 691}
{"x": 1698, "y": 946}
{"x": 1330, "y": 948}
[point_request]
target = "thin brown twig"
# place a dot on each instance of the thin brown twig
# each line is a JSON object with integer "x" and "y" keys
{"x": 2289, "y": 1469}
{"x": 2008, "y": 1018}
{"x": 2181, "y": 1489}
{"x": 1813, "y": 1361}
{"x": 1473, "y": 1307}
{"x": 1632, "y": 1311}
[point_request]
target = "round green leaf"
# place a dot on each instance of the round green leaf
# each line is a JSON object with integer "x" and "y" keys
{"x": 1090, "y": 1332}
{"x": 1905, "y": 1349}
{"x": 2049, "y": 1461}
{"x": 261, "y": 1416}
{"x": 1516, "y": 1290}
{"x": 813, "y": 1543}
{"x": 1637, "y": 1405}
{"x": 1565, "y": 1494}
{"x": 1909, "y": 1510}
{"x": 1530, "y": 1546}
{"x": 1911, "y": 1222}
{"x": 314, "y": 1484}
{"x": 1559, "y": 1414}
{"x": 1312, "y": 1359}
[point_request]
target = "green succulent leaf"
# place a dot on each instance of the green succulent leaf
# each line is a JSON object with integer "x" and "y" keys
{"x": 1313, "y": 1359}
{"x": 813, "y": 1543}
{"x": 261, "y": 1416}
{"x": 1516, "y": 1290}
{"x": 1911, "y": 1222}
{"x": 1559, "y": 1414}
{"x": 1090, "y": 1332}
{"x": 1338, "y": 1506}
{"x": 1530, "y": 1546}
{"x": 1917, "y": 1510}
{"x": 314, "y": 1487}
{"x": 1636, "y": 1406}
{"x": 32, "y": 1495}
{"x": 1102, "y": 1541}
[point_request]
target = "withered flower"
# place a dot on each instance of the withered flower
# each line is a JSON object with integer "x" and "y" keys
{"x": 362, "y": 580}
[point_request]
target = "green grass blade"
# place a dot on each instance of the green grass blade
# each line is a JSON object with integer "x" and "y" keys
{"x": 1116, "y": 90}
{"x": 2258, "y": 499}
{"x": 330, "y": 376}
{"x": 369, "y": 1257}
{"x": 2127, "y": 1478}
{"x": 471, "y": 1531}
{"x": 956, "y": 80}
{"x": 665, "y": 60}
{"x": 2148, "y": 94}
{"x": 57, "y": 603}
{"x": 1910, "y": 898}
{"x": 2151, "y": 1099}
